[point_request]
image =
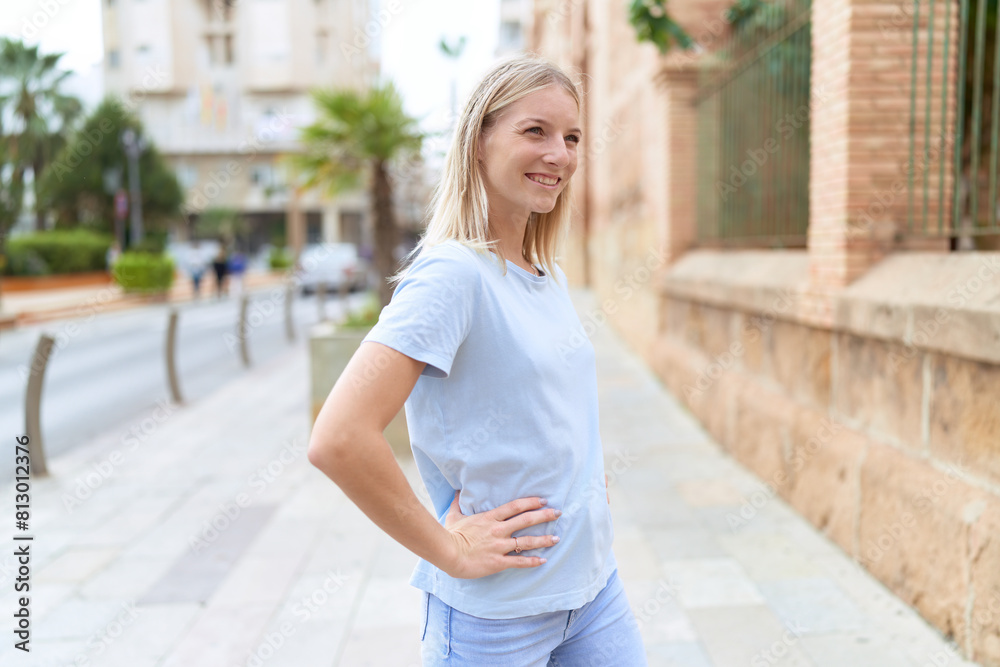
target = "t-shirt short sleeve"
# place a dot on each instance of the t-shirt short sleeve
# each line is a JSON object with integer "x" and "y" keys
{"x": 431, "y": 311}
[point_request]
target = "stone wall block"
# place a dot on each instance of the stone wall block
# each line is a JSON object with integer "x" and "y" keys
{"x": 823, "y": 466}
{"x": 879, "y": 388}
{"x": 914, "y": 534}
{"x": 965, "y": 415}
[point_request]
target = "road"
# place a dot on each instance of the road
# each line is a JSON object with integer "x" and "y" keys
{"x": 109, "y": 372}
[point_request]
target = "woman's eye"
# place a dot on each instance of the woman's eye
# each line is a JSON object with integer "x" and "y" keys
{"x": 535, "y": 128}
{"x": 572, "y": 137}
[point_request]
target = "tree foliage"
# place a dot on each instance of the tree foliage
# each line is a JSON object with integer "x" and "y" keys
{"x": 355, "y": 138}
{"x": 653, "y": 23}
{"x": 74, "y": 184}
{"x": 35, "y": 117}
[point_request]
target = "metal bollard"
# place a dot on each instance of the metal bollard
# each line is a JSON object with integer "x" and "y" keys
{"x": 33, "y": 404}
{"x": 175, "y": 387}
{"x": 241, "y": 329}
{"x": 321, "y": 300}
{"x": 289, "y": 324}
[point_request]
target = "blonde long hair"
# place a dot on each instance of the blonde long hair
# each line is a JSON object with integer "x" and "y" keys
{"x": 461, "y": 209}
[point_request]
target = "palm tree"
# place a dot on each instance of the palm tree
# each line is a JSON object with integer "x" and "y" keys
{"x": 36, "y": 115}
{"x": 356, "y": 137}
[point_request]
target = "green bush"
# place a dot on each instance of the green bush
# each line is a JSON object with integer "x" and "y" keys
{"x": 364, "y": 317}
{"x": 57, "y": 251}
{"x": 153, "y": 242}
{"x": 279, "y": 259}
{"x": 143, "y": 272}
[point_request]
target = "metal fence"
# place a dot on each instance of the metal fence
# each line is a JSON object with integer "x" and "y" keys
{"x": 955, "y": 67}
{"x": 754, "y": 106}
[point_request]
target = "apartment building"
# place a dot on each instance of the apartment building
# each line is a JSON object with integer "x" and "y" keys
{"x": 222, "y": 87}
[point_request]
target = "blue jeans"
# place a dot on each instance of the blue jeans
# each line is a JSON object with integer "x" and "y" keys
{"x": 602, "y": 632}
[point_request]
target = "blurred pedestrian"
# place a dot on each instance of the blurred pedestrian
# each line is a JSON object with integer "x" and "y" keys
{"x": 114, "y": 252}
{"x": 195, "y": 264}
{"x": 237, "y": 267}
{"x": 219, "y": 265}
{"x": 505, "y": 434}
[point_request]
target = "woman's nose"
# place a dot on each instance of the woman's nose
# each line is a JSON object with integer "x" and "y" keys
{"x": 558, "y": 154}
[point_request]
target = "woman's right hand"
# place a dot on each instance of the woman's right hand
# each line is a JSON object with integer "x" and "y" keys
{"x": 482, "y": 540}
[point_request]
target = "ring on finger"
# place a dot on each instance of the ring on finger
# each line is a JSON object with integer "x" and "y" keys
{"x": 517, "y": 549}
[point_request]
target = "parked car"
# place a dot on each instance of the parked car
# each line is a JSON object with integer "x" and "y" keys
{"x": 334, "y": 265}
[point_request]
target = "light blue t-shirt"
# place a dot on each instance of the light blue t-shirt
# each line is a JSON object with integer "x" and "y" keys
{"x": 506, "y": 408}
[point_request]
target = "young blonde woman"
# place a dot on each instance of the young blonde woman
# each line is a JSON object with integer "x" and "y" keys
{"x": 482, "y": 345}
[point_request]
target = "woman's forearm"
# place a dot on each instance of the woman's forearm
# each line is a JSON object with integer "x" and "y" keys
{"x": 368, "y": 473}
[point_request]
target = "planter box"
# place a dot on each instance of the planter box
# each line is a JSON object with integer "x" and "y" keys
{"x": 330, "y": 349}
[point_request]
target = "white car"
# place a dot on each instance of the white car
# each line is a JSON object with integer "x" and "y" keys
{"x": 334, "y": 265}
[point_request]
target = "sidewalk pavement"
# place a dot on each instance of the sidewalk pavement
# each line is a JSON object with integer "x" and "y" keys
{"x": 19, "y": 308}
{"x": 202, "y": 537}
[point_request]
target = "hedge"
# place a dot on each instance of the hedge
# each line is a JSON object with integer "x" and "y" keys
{"x": 57, "y": 251}
{"x": 143, "y": 272}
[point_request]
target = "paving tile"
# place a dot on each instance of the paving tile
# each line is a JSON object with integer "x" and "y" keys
{"x": 388, "y": 603}
{"x": 710, "y": 492}
{"x": 684, "y": 543}
{"x": 768, "y": 556}
{"x": 220, "y": 635}
{"x": 76, "y": 564}
{"x": 748, "y": 635}
{"x": 380, "y": 646}
{"x": 657, "y": 611}
{"x": 816, "y": 606}
{"x": 128, "y": 577}
{"x": 76, "y": 618}
{"x": 857, "y": 649}
{"x": 197, "y": 573}
{"x": 143, "y": 639}
{"x": 712, "y": 582}
{"x": 677, "y": 654}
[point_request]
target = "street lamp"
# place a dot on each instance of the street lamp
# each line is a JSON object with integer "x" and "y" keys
{"x": 134, "y": 146}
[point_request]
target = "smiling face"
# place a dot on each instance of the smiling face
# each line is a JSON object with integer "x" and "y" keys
{"x": 529, "y": 154}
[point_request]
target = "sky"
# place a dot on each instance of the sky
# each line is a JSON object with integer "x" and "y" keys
{"x": 410, "y": 54}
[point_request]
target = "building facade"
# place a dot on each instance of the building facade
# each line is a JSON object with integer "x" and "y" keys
{"x": 222, "y": 88}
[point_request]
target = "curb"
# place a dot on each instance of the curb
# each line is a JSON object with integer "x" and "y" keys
{"x": 179, "y": 294}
